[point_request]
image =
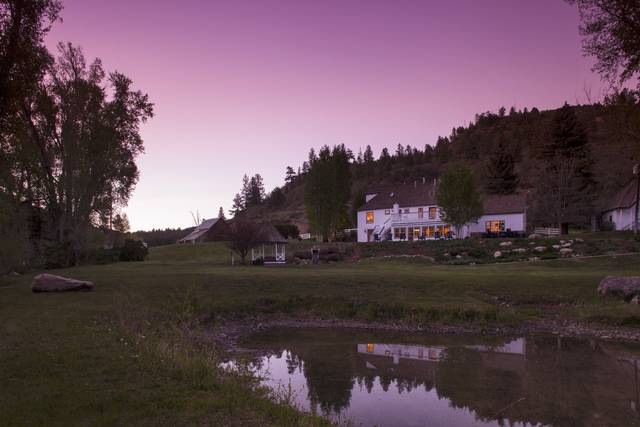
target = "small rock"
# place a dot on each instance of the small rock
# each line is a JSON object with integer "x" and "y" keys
{"x": 566, "y": 245}
{"x": 635, "y": 300}
{"x": 566, "y": 251}
{"x": 458, "y": 256}
{"x": 562, "y": 242}
{"x": 52, "y": 283}
{"x": 556, "y": 246}
{"x": 579, "y": 240}
{"x": 506, "y": 244}
{"x": 519, "y": 250}
{"x": 534, "y": 236}
{"x": 540, "y": 248}
{"x": 497, "y": 254}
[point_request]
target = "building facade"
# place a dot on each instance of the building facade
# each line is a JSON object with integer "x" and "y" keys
{"x": 410, "y": 212}
{"x": 620, "y": 211}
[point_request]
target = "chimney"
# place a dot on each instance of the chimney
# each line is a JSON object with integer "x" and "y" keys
{"x": 424, "y": 180}
{"x": 415, "y": 184}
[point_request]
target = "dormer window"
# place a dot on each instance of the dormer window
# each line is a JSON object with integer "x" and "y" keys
{"x": 370, "y": 217}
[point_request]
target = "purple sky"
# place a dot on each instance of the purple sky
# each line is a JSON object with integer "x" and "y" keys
{"x": 249, "y": 86}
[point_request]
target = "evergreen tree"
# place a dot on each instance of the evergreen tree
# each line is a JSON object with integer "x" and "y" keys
{"x": 290, "y": 175}
{"x": 501, "y": 174}
{"x": 368, "y": 156}
{"x": 276, "y": 198}
{"x": 385, "y": 160}
{"x": 256, "y": 193}
{"x": 441, "y": 152}
{"x": 458, "y": 197}
{"x": 238, "y": 205}
{"x": 565, "y": 181}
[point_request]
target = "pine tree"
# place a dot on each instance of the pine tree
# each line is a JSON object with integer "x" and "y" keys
{"x": 290, "y": 175}
{"x": 501, "y": 174}
{"x": 565, "y": 182}
{"x": 238, "y": 205}
{"x": 368, "y": 155}
{"x": 256, "y": 193}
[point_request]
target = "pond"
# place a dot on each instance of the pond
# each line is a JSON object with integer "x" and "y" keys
{"x": 382, "y": 379}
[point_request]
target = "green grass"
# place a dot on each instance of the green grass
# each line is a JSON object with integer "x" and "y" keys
{"x": 130, "y": 351}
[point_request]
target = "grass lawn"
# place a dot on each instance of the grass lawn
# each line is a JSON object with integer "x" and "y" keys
{"x": 123, "y": 354}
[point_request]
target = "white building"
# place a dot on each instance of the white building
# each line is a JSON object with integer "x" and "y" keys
{"x": 410, "y": 212}
{"x": 621, "y": 209}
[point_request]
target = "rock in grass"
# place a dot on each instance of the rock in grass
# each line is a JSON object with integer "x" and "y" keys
{"x": 519, "y": 250}
{"x": 534, "y": 236}
{"x": 497, "y": 254}
{"x": 620, "y": 286}
{"x": 52, "y": 283}
{"x": 540, "y": 248}
{"x": 566, "y": 251}
{"x": 506, "y": 244}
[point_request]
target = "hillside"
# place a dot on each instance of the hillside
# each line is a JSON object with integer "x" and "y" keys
{"x": 614, "y": 146}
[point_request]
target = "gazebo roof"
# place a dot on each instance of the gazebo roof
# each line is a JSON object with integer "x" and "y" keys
{"x": 269, "y": 234}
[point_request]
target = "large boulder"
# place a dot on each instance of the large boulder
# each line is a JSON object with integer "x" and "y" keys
{"x": 624, "y": 287}
{"x": 52, "y": 283}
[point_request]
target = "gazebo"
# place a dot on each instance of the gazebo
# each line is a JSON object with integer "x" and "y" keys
{"x": 271, "y": 240}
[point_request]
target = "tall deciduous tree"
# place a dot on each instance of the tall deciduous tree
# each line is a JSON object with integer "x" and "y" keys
{"x": 611, "y": 30}
{"x": 565, "y": 181}
{"x": 77, "y": 139}
{"x": 328, "y": 189}
{"x": 458, "y": 197}
{"x": 501, "y": 174}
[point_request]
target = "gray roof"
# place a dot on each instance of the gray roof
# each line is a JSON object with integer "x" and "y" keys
{"x": 200, "y": 230}
{"x": 425, "y": 195}
{"x": 623, "y": 199}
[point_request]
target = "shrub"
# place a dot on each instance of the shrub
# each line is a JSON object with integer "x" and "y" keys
{"x": 133, "y": 250}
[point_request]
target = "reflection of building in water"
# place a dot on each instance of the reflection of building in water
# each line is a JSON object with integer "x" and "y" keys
{"x": 517, "y": 347}
{"x": 399, "y": 351}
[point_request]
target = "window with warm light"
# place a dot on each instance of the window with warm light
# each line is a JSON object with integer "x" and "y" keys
{"x": 432, "y": 212}
{"x": 369, "y": 217}
{"x": 495, "y": 226}
{"x": 370, "y": 348}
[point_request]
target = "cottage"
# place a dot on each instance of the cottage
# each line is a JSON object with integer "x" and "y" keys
{"x": 620, "y": 210}
{"x": 209, "y": 230}
{"x": 411, "y": 212}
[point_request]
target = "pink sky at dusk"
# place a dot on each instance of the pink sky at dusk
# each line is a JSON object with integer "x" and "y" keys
{"x": 249, "y": 86}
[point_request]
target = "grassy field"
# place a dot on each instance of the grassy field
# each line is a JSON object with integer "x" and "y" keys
{"x": 129, "y": 353}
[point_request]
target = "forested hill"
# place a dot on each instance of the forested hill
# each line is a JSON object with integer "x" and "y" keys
{"x": 613, "y": 132}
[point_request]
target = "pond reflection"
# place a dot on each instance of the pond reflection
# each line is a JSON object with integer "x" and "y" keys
{"x": 452, "y": 381}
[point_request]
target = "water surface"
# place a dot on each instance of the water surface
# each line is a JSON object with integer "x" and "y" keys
{"x": 416, "y": 380}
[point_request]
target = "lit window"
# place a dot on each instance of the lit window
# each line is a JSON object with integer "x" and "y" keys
{"x": 420, "y": 212}
{"x": 496, "y": 226}
{"x": 416, "y": 232}
{"x": 369, "y": 217}
{"x": 370, "y": 348}
{"x": 432, "y": 212}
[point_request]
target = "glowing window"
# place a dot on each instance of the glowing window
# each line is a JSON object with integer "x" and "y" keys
{"x": 496, "y": 226}
{"x": 369, "y": 217}
{"x": 370, "y": 348}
